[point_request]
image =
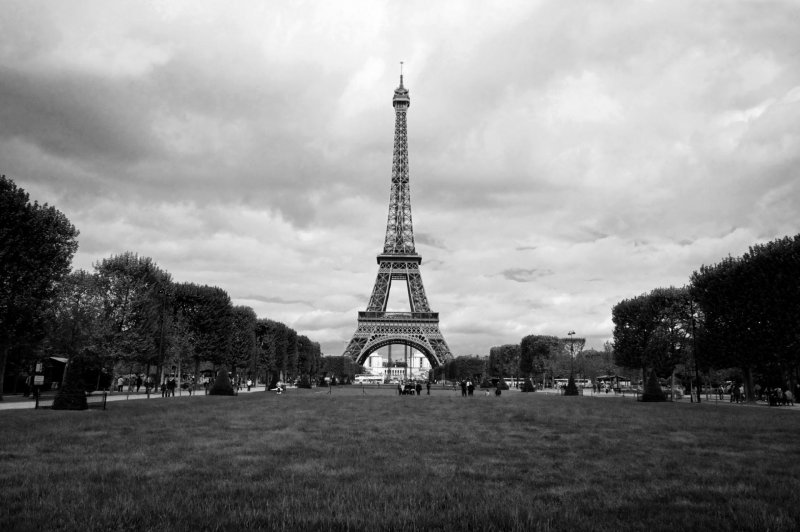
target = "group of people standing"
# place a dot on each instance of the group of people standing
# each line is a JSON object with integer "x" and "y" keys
{"x": 411, "y": 387}
{"x": 779, "y": 397}
{"x": 168, "y": 387}
{"x": 467, "y": 387}
{"x": 134, "y": 382}
{"x": 776, "y": 396}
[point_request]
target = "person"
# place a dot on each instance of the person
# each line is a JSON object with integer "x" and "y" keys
{"x": 470, "y": 387}
{"x": 249, "y": 384}
{"x": 138, "y": 383}
{"x": 120, "y": 384}
{"x": 171, "y": 385}
{"x": 497, "y": 390}
{"x": 399, "y": 389}
{"x": 279, "y": 388}
{"x": 463, "y": 388}
{"x": 419, "y": 388}
{"x": 428, "y": 387}
{"x": 164, "y": 389}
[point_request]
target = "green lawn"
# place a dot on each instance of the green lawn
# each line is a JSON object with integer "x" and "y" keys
{"x": 307, "y": 460}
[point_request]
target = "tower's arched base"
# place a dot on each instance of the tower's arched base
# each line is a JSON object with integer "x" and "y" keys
{"x": 419, "y": 330}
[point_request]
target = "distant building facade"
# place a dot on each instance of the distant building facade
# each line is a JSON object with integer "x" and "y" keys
{"x": 397, "y": 362}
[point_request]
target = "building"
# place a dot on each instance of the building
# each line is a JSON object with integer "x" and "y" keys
{"x": 398, "y": 362}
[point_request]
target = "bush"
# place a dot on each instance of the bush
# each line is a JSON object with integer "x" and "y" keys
{"x": 222, "y": 384}
{"x": 305, "y": 382}
{"x": 486, "y": 384}
{"x": 72, "y": 396}
{"x": 527, "y": 386}
{"x": 571, "y": 388}
{"x": 652, "y": 390}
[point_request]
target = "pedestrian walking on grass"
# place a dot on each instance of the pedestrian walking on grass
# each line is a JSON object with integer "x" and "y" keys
{"x": 470, "y": 387}
{"x": 419, "y": 388}
{"x": 428, "y": 386}
{"x": 463, "y": 388}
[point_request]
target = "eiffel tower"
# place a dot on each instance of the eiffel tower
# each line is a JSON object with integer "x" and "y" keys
{"x": 399, "y": 261}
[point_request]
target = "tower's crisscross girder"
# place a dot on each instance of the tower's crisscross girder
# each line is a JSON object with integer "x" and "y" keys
{"x": 399, "y": 261}
{"x": 399, "y": 227}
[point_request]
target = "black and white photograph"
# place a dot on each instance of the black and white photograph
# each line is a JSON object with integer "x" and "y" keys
{"x": 381, "y": 265}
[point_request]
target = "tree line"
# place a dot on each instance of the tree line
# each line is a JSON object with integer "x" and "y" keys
{"x": 538, "y": 358}
{"x": 127, "y": 315}
{"x": 735, "y": 319}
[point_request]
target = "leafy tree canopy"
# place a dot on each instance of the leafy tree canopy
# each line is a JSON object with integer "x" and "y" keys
{"x": 535, "y": 350}
{"x": 37, "y": 243}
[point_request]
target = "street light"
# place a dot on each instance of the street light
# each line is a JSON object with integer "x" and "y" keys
{"x": 164, "y": 294}
{"x": 572, "y": 341}
{"x": 571, "y": 353}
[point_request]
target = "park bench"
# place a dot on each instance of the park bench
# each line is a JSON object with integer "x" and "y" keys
{"x": 93, "y": 400}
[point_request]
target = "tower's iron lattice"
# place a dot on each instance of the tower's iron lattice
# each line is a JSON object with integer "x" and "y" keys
{"x": 399, "y": 261}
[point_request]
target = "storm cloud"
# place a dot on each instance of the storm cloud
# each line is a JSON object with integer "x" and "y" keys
{"x": 563, "y": 156}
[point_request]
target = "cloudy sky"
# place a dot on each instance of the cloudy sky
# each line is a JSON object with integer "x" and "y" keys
{"x": 564, "y": 155}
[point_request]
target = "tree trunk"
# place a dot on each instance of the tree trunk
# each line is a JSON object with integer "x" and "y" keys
{"x": 747, "y": 373}
{"x": 196, "y": 372}
{"x": 3, "y": 356}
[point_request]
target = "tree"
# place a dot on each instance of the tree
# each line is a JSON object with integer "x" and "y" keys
{"x": 651, "y": 330}
{"x": 535, "y": 351}
{"x": 308, "y": 355}
{"x": 203, "y": 323}
{"x": 278, "y": 344}
{"x": 133, "y": 289}
{"x": 463, "y": 367}
{"x": 504, "y": 360}
{"x": 265, "y": 357}
{"x": 750, "y": 311}
{"x": 37, "y": 243}
{"x": 342, "y": 368}
{"x": 243, "y": 337}
{"x": 593, "y": 362}
{"x": 74, "y": 330}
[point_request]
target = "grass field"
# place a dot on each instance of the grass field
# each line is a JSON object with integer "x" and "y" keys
{"x": 311, "y": 461}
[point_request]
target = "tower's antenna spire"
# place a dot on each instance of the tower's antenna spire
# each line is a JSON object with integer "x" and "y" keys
{"x": 401, "y": 73}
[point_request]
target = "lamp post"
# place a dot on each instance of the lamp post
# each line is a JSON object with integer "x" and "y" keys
{"x": 164, "y": 294}
{"x": 694, "y": 350}
{"x": 572, "y": 390}
{"x": 571, "y": 353}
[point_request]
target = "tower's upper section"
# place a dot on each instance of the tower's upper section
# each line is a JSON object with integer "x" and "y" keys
{"x": 401, "y": 95}
{"x": 399, "y": 229}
